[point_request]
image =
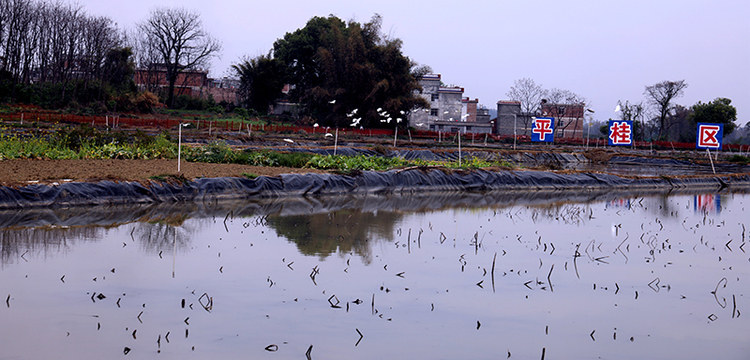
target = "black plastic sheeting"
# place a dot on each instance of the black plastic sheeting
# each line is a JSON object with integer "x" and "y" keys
{"x": 114, "y": 215}
{"x": 408, "y": 181}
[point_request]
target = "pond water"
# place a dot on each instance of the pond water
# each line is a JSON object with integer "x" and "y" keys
{"x": 524, "y": 276}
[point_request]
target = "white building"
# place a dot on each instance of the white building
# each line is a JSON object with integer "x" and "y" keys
{"x": 449, "y": 111}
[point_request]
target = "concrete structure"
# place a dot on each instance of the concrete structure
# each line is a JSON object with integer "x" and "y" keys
{"x": 284, "y": 107}
{"x": 509, "y": 115}
{"x": 449, "y": 111}
{"x": 483, "y": 115}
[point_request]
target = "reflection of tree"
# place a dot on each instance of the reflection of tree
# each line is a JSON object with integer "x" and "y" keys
{"x": 44, "y": 241}
{"x": 343, "y": 231}
{"x": 165, "y": 235}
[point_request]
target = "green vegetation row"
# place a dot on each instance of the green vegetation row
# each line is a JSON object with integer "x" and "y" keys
{"x": 88, "y": 143}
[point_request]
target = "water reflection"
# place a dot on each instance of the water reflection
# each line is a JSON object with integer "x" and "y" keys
{"x": 344, "y": 231}
{"x": 317, "y": 226}
{"x": 156, "y": 237}
{"x": 25, "y": 243}
{"x": 707, "y": 204}
{"x": 480, "y": 276}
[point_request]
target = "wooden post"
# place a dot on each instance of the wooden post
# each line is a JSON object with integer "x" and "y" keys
{"x": 711, "y": 160}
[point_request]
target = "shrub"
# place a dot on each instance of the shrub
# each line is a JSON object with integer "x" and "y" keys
{"x": 214, "y": 152}
{"x": 739, "y": 159}
{"x": 146, "y": 101}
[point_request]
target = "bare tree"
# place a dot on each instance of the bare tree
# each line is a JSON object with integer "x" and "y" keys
{"x": 17, "y": 22}
{"x": 178, "y": 37}
{"x": 530, "y": 95}
{"x": 146, "y": 59}
{"x": 660, "y": 95}
{"x": 635, "y": 113}
{"x": 566, "y": 106}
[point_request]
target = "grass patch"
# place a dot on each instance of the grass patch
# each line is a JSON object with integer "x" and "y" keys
{"x": 744, "y": 160}
{"x": 85, "y": 142}
{"x": 170, "y": 178}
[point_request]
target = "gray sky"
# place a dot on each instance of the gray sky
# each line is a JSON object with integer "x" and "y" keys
{"x": 603, "y": 50}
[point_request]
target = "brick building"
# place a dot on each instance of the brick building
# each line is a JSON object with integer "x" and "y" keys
{"x": 568, "y": 118}
{"x": 154, "y": 79}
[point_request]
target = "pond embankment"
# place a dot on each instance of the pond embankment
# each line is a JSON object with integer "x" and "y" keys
{"x": 417, "y": 180}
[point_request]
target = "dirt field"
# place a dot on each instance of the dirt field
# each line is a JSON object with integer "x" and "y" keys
{"x": 20, "y": 172}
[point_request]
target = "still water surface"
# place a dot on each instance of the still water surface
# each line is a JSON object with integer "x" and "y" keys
{"x": 616, "y": 277}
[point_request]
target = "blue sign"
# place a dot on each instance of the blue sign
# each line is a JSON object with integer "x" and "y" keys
{"x": 543, "y": 130}
{"x": 620, "y": 133}
{"x": 709, "y": 136}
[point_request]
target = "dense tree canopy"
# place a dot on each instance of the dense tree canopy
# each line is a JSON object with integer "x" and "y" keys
{"x": 349, "y": 74}
{"x": 261, "y": 81}
{"x": 719, "y": 111}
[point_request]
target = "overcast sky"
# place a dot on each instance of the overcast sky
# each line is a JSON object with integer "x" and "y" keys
{"x": 603, "y": 50}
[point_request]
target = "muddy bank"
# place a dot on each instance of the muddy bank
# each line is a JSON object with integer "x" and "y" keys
{"x": 394, "y": 182}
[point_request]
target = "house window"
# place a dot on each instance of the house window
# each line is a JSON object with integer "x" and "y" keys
{"x": 468, "y": 128}
{"x": 434, "y": 112}
{"x": 435, "y": 97}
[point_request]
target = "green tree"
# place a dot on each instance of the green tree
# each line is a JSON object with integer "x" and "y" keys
{"x": 119, "y": 68}
{"x": 719, "y": 111}
{"x": 261, "y": 81}
{"x": 337, "y": 68}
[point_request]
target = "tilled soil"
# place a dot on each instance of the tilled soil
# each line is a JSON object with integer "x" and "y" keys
{"x": 20, "y": 172}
